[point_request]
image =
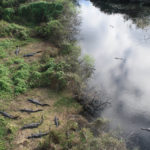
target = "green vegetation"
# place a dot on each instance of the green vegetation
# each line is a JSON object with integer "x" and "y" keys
{"x": 13, "y": 30}
{"x": 72, "y": 136}
{"x": 3, "y": 134}
{"x": 46, "y": 28}
{"x": 66, "y": 102}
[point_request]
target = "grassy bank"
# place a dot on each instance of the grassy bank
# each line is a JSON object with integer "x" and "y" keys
{"x": 46, "y": 30}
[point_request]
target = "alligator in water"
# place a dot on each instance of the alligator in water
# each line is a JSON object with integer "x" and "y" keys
{"x": 37, "y": 102}
{"x": 56, "y": 121}
{"x": 119, "y": 58}
{"x": 146, "y": 129}
{"x": 7, "y": 115}
{"x": 30, "y": 110}
{"x": 32, "y": 125}
{"x": 38, "y": 135}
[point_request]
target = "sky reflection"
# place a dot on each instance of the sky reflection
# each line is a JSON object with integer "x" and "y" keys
{"x": 126, "y": 81}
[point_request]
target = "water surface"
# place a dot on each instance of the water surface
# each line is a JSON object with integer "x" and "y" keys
{"x": 120, "y": 46}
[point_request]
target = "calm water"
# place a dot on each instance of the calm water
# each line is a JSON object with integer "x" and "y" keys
{"x": 121, "y": 49}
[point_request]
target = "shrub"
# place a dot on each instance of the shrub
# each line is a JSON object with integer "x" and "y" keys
{"x": 53, "y": 74}
{"x": 5, "y": 84}
{"x": 11, "y": 3}
{"x": 21, "y": 86}
{"x": 37, "y": 12}
{"x": 66, "y": 48}
{"x": 13, "y": 30}
{"x": 8, "y": 14}
{"x": 5, "y": 81}
{"x": 21, "y": 77}
{"x": 53, "y": 30}
{"x": 36, "y": 79}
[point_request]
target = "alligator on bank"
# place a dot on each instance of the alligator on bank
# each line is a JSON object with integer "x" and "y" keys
{"x": 8, "y": 116}
{"x": 31, "y": 54}
{"x": 38, "y": 135}
{"x": 56, "y": 121}
{"x": 30, "y": 110}
{"x": 32, "y": 125}
{"x": 37, "y": 102}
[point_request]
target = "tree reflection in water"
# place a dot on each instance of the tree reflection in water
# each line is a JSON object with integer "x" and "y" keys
{"x": 138, "y": 12}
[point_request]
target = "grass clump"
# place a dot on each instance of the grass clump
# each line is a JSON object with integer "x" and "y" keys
{"x": 73, "y": 136}
{"x": 40, "y": 11}
{"x": 13, "y": 30}
{"x": 8, "y": 14}
{"x": 52, "y": 30}
{"x": 20, "y": 78}
{"x": 53, "y": 74}
{"x": 3, "y": 134}
{"x": 6, "y": 86}
{"x": 67, "y": 102}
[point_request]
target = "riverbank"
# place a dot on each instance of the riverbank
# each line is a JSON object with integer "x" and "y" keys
{"x": 40, "y": 60}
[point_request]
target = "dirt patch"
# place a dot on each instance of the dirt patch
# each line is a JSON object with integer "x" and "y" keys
{"x": 43, "y": 95}
{"x": 40, "y": 47}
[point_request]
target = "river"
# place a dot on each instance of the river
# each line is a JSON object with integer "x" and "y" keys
{"x": 120, "y": 45}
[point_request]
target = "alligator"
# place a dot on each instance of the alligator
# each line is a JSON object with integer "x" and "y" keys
{"x": 39, "y": 52}
{"x": 146, "y": 129}
{"x": 56, "y": 121}
{"x": 29, "y": 55}
{"x": 8, "y": 116}
{"x": 32, "y": 125}
{"x": 38, "y": 135}
{"x": 17, "y": 51}
{"x": 37, "y": 102}
{"x": 119, "y": 58}
{"x": 30, "y": 110}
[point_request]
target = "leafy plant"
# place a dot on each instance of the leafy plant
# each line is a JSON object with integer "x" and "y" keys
{"x": 13, "y": 30}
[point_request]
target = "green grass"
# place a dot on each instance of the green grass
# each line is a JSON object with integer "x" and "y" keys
{"x": 14, "y": 30}
{"x": 3, "y": 134}
{"x": 67, "y": 102}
